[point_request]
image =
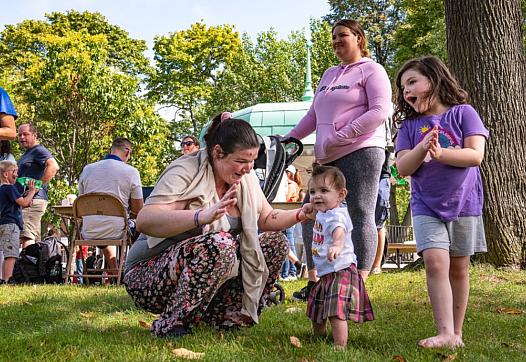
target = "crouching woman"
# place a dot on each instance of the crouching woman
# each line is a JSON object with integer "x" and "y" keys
{"x": 200, "y": 258}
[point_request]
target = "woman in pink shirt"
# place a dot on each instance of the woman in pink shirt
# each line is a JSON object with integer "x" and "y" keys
{"x": 352, "y": 101}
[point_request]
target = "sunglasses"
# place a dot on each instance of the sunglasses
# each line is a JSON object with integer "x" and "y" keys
{"x": 187, "y": 143}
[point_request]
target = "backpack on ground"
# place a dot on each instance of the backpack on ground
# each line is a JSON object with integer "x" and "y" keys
{"x": 94, "y": 265}
{"x": 39, "y": 263}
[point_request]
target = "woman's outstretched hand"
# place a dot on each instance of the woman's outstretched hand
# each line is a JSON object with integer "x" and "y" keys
{"x": 218, "y": 210}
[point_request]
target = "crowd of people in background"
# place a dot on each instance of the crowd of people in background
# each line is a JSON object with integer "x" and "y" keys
{"x": 217, "y": 263}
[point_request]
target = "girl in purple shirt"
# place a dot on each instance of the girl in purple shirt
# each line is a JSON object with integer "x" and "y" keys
{"x": 440, "y": 145}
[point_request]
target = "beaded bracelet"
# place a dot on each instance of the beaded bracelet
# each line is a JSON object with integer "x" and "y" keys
{"x": 196, "y": 219}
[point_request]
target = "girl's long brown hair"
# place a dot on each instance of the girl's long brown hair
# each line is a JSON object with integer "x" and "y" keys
{"x": 443, "y": 86}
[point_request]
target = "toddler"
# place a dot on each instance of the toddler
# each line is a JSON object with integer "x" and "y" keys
{"x": 339, "y": 294}
{"x": 11, "y": 202}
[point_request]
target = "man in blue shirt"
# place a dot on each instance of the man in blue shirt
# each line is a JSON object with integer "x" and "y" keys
{"x": 37, "y": 163}
{"x": 7, "y": 117}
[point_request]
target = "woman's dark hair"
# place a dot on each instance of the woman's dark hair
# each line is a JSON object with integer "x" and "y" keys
{"x": 231, "y": 134}
{"x": 356, "y": 29}
{"x": 443, "y": 86}
{"x": 335, "y": 176}
{"x": 5, "y": 147}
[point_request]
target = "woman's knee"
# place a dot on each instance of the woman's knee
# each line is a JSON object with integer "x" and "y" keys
{"x": 220, "y": 247}
{"x": 274, "y": 243}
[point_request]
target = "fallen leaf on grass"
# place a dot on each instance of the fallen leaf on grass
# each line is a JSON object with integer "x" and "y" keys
{"x": 494, "y": 279}
{"x": 25, "y": 302}
{"x": 143, "y": 324}
{"x": 513, "y": 345}
{"x": 295, "y": 341}
{"x": 398, "y": 358}
{"x": 294, "y": 310}
{"x": 187, "y": 354}
{"x": 511, "y": 311}
{"x": 446, "y": 357}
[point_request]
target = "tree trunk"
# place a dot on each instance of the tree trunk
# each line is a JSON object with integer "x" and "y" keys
{"x": 486, "y": 54}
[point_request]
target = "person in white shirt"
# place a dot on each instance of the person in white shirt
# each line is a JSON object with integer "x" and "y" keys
{"x": 114, "y": 176}
{"x": 339, "y": 295}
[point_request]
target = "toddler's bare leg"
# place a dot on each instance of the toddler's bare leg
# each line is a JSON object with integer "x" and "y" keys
{"x": 339, "y": 332}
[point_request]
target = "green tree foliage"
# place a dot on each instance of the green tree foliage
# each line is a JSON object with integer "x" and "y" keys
{"x": 81, "y": 91}
{"x": 238, "y": 73}
{"x": 124, "y": 53}
{"x": 272, "y": 70}
{"x": 379, "y": 18}
{"x": 422, "y": 32}
{"x": 188, "y": 64}
{"x": 266, "y": 71}
{"x": 322, "y": 56}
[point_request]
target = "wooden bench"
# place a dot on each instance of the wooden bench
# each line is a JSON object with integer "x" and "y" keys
{"x": 399, "y": 249}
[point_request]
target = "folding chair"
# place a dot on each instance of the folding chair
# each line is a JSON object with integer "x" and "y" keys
{"x": 100, "y": 204}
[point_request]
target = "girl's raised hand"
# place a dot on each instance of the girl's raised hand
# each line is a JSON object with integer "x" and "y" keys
{"x": 429, "y": 138}
{"x": 435, "y": 151}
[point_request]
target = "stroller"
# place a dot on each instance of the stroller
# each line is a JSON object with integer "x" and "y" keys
{"x": 274, "y": 156}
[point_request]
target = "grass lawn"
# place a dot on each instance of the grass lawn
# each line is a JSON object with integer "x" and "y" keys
{"x": 70, "y": 323}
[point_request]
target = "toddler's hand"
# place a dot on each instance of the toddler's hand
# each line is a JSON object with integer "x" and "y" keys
{"x": 31, "y": 186}
{"x": 309, "y": 211}
{"x": 334, "y": 252}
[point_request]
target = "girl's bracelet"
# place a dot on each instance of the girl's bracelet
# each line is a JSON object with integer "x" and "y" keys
{"x": 196, "y": 219}
{"x": 298, "y": 215}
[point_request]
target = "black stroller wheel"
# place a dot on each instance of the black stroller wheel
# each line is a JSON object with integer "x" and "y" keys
{"x": 276, "y": 295}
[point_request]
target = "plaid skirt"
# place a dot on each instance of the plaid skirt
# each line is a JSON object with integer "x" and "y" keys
{"x": 342, "y": 295}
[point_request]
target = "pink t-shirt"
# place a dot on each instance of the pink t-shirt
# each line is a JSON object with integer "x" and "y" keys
{"x": 350, "y": 106}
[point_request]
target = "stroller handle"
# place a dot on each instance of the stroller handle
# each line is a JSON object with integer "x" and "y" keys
{"x": 291, "y": 155}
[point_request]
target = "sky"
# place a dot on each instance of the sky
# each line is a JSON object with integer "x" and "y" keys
{"x": 144, "y": 19}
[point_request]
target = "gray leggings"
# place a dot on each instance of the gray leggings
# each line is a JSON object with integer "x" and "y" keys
{"x": 362, "y": 172}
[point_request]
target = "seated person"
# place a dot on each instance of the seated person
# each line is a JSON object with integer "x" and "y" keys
{"x": 114, "y": 176}
{"x": 200, "y": 259}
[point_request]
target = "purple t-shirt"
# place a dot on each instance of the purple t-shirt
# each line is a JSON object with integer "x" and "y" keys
{"x": 439, "y": 190}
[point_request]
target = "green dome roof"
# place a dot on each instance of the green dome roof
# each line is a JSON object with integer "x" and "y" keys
{"x": 275, "y": 118}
